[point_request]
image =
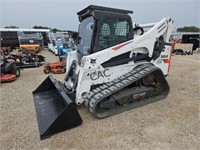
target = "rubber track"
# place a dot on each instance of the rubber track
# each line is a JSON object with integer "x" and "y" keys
{"x": 107, "y": 89}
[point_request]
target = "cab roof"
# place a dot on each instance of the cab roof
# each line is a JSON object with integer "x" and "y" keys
{"x": 101, "y": 8}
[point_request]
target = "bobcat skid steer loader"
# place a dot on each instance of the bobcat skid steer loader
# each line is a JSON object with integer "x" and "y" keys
{"x": 116, "y": 67}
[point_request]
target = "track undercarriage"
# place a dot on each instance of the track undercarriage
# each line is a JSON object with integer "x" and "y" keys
{"x": 144, "y": 84}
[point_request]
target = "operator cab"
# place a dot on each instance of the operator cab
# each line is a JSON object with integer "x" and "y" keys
{"x": 103, "y": 27}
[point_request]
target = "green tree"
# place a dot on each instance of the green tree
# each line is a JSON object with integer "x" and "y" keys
{"x": 188, "y": 29}
{"x": 40, "y": 27}
{"x": 56, "y": 30}
{"x": 74, "y": 34}
{"x": 14, "y": 27}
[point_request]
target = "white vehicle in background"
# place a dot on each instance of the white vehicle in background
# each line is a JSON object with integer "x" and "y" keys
{"x": 56, "y": 39}
{"x": 56, "y": 44}
{"x": 51, "y": 36}
{"x": 50, "y": 46}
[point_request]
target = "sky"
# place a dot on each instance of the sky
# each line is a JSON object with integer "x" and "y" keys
{"x": 62, "y": 14}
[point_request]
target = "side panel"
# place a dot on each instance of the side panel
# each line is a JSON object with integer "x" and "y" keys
{"x": 99, "y": 76}
{"x": 163, "y": 62}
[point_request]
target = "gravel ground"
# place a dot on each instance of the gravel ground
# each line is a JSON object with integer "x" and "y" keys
{"x": 170, "y": 124}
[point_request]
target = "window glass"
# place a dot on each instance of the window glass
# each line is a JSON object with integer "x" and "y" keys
{"x": 85, "y": 35}
{"x": 113, "y": 32}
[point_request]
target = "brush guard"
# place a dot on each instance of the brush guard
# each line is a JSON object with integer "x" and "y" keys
{"x": 55, "y": 110}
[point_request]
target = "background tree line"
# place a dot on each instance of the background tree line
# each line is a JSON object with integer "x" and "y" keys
{"x": 188, "y": 29}
{"x": 74, "y": 34}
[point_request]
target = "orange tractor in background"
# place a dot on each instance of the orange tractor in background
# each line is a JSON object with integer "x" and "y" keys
{"x": 55, "y": 67}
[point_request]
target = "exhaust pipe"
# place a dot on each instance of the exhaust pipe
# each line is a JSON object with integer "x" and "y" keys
{"x": 54, "y": 108}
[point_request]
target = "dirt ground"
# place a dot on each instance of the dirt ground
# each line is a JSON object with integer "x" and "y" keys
{"x": 170, "y": 124}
